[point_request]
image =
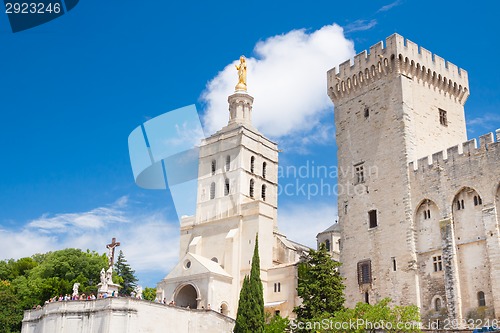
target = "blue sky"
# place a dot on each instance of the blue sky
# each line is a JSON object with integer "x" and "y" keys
{"x": 72, "y": 90}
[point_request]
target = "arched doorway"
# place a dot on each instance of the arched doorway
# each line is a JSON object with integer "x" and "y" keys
{"x": 187, "y": 296}
{"x": 224, "y": 309}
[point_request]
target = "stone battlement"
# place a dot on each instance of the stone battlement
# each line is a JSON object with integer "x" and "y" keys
{"x": 456, "y": 153}
{"x": 401, "y": 56}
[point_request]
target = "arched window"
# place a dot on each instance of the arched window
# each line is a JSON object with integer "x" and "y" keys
{"x": 475, "y": 200}
{"x": 437, "y": 304}
{"x": 327, "y": 245}
{"x": 252, "y": 185}
{"x": 212, "y": 190}
{"x": 214, "y": 165}
{"x": 228, "y": 162}
{"x": 480, "y": 299}
{"x": 226, "y": 187}
{"x": 252, "y": 163}
{"x": 264, "y": 169}
{"x": 263, "y": 192}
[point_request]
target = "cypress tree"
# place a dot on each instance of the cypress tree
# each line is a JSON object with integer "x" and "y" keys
{"x": 250, "y": 318}
{"x": 126, "y": 275}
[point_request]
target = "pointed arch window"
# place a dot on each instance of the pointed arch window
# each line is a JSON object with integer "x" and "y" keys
{"x": 214, "y": 166}
{"x": 252, "y": 164}
{"x": 263, "y": 194}
{"x": 212, "y": 190}
{"x": 252, "y": 185}
{"x": 226, "y": 187}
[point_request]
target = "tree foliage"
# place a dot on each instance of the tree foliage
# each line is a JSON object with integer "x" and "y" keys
{"x": 276, "y": 324}
{"x": 149, "y": 294}
{"x": 250, "y": 317}
{"x": 126, "y": 275}
{"x": 28, "y": 282}
{"x": 319, "y": 285}
{"x": 380, "y": 316}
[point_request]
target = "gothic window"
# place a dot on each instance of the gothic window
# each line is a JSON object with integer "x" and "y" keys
{"x": 359, "y": 173}
{"x": 427, "y": 214}
{"x": 226, "y": 187}
{"x": 228, "y": 162}
{"x": 460, "y": 204}
{"x": 212, "y": 190}
{"x": 437, "y": 263}
{"x": 437, "y": 304}
{"x": 214, "y": 165}
{"x": 372, "y": 217}
{"x": 327, "y": 245}
{"x": 264, "y": 169}
{"x": 252, "y": 185}
{"x": 477, "y": 200}
{"x": 443, "y": 117}
{"x": 252, "y": 164}
{"x": 480, "y": 299}
{"x": 263, "y": 192}
{"x": 364, "y": 272}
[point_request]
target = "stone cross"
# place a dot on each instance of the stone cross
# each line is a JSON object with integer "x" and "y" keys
{"x": 111, "y": 251}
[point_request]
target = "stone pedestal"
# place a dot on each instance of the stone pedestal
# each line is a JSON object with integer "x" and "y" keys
{"x": 110, "y": 288}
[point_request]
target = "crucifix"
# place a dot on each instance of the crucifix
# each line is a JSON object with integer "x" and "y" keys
{"x": 111, "y": 251}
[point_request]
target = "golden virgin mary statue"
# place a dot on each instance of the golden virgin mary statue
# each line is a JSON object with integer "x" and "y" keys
{"x": 242, "y": 74}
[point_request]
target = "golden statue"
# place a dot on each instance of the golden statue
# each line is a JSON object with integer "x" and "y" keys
{"x": 242, "y": 74}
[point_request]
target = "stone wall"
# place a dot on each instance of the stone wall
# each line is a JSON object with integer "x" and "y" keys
{"x": 122, "y": 315}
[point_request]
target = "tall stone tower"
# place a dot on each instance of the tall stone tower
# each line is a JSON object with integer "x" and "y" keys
{"x": 236, "y": 200}
{"x": 393, "y": 105}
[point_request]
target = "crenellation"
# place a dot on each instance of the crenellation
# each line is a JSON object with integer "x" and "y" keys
{"x": 454, "y": 153}
{"x": 485, "y": 139}
{"x": 413, "y": 61}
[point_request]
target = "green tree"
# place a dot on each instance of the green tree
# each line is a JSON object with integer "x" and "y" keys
{"x": 373, "y": 318}
{"x": 149, "y": 294}
{"x": 250, "y": 317}
{"x": 276, "y": 324}
{"x": 126, "y": 275}
{"x": 11, "y": 311}
{"x": 319, "y": 285}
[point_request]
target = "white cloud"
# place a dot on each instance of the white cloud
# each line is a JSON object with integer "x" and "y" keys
{"x": 287, "y": 78}
{"x": 389, "y": 6}
{"x": 360, "y": 25}
{"x": 149, "y": 241}
{"x": 301, "y": 222}
{"x": 487, "y": 121}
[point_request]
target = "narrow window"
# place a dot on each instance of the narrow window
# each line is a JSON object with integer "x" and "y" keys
{"x": 479, "y": 200}
{"x": 252, "y": 164}
{"x": 372, "y": 216}
{"x": 437, "y": 304}
{"x": 275, "y": 287}
{"x": 364, "y": 272}
{"x": 394, "y": 266}
{"x": 359, "y": 173}
{"x": 480, "y": 299}
{"x": 252, "y": 185}
{"x": 279, "y": 286}
{"x": 226, "y": 187}
{"x": 462, "y": 202}
{"x": 367, "y": 298}
{"x": 214, "y": 165}
{"x": 437, "y": 263}
{"x": 458, "y": 205}
{"x": 228, "y": 162}
{"x": 345, "y": 209}
{"x": 367, "y": 112}
{"x": 475, "y": 201}
{"x": 327, "y": 245}
{"x": 428, "y": 213}
{"x": 264, "y": 169}
{"x": 443, "y": 118}
{"x": 212, "y": 190}
{"x": 263, "y": 192}
{"x": 425, "y": 215}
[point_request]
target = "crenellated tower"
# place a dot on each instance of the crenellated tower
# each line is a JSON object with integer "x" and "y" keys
{"x": 393, "y": 105}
